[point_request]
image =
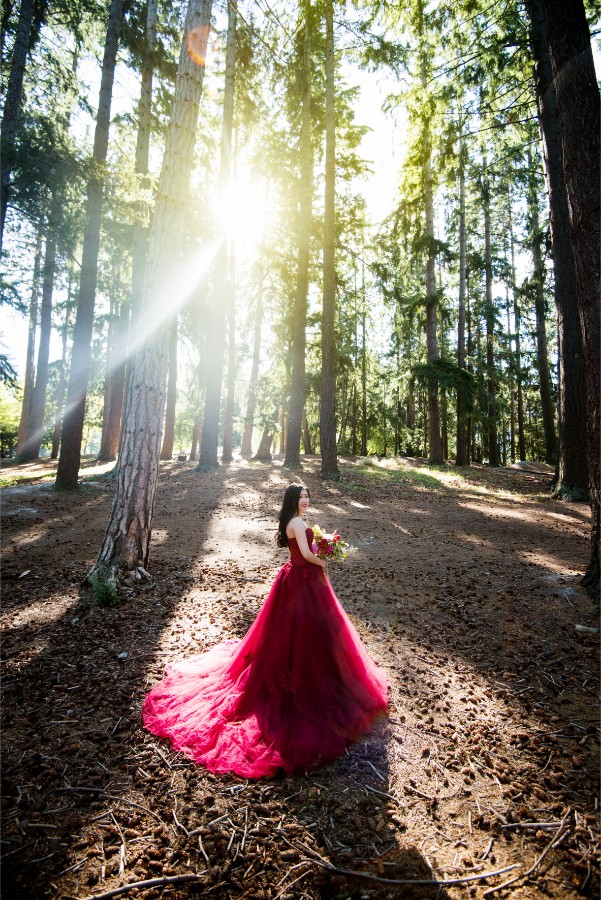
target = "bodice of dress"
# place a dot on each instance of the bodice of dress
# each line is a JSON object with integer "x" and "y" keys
{"x": 296, "y": 557}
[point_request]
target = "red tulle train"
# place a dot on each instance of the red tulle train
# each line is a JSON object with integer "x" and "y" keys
{"x": 290, "y": 695}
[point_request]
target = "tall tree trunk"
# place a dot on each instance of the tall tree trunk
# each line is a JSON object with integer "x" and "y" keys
{"x": 35, "y": 425}
{"x": 111, "y": 354}
{"x": 263, "y": 453}
{"x": 141, "y": 222}
{"x": 62, "y": 380}
{"x": 68, "y": 464}
{"x": 12, "y": 103}
{"x": 140, "y": 226}
{"x": 251, "y": 403}
{"x": 411, "y": 404}
{"x": 299, "y": 315}
{"x": 517, "y": 317}
{"x": 127, "y": 539}
{"x": 307, "y": 448}
{"x": 572, "y": 481}
{"x": 444, "y": 430}
{"x": 363, "y": 376}
{"x": 577, "y": 96}
{"x": 327, "y": 398}
{"x": 210, "y": 425}
{"x": 169, "y": 429}
{"x": 228, "y": 418}
{"x": 541, "y": 332}
{"x": 491, "y": 382}
{"x": 461, "y": 454}
{"x": 435, "y": 442}
{"x": 343, "y": 413}
{"x": 31, "y": 335}
{"x": 282, "y": 427}
{"x": 195, "y": 436}
{"x": 117, "y": 398}
{"x": 470, "y": 367}
{"x": 511, "y": 375}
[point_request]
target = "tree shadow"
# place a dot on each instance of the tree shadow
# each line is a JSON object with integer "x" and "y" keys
{"x": 72, "y": 684}
{"x": 84, "y": 780}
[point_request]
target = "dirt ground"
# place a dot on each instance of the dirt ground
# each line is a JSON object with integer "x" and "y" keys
{"x": 464, "y": 587}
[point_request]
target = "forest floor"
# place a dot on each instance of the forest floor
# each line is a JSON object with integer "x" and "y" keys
{"x": 465, "y": 588}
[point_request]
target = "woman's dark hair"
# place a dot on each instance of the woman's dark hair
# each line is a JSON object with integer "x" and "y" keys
{"x": 289, "y": 510}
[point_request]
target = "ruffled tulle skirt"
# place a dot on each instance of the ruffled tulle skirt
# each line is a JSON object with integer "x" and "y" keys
{"x": 290, "y": 695}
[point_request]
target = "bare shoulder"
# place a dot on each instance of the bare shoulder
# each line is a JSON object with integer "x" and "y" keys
{"x": 295, "y": 527}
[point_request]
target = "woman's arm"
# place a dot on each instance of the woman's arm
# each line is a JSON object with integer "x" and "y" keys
{"x": 298, "y": 527}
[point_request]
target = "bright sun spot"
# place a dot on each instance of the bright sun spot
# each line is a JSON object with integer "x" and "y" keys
{"x": 243, "y": 210}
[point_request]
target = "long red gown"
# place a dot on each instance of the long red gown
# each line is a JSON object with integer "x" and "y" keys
{"x": 290, "y": 695}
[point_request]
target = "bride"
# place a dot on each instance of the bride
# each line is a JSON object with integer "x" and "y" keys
{"x": 292, "y": 693}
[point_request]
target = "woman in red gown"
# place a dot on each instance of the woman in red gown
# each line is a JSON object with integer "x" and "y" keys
{"x": 292, "y": 693}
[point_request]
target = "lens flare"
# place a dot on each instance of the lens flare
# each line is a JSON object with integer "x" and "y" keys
{"x": 196, "y": 44}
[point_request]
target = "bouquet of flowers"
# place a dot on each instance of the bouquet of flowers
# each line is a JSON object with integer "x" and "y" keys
{"x": 330, "y": 546}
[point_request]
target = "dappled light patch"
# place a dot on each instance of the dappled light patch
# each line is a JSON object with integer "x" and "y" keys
{"x": 488, "y": 758}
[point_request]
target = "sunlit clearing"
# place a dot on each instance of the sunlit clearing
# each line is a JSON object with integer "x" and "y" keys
{"x": 544, "y": 561}
{"x": 39, "y": 613}
{"x": 243, "y": 210}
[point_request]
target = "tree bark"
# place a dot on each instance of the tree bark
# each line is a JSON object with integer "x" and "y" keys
{"x": 470, "y": 368}
{"x": 435, "y": 442}
{"x": 30, "y": 357}
{"x": 572, "y": 481}
{"x": 117, "y": 396}
{"x": 263, "y": 453}
{"x": 363, "y": 376}
{"x": 461, "y": 453}
{"x": 169, "y": 429}
{"x": 35, "y": 425}
{"x": 210, "y": 426}
{"x": 541, "y": 331}
{"x": 62, "y": 380}
{"x": 517, "y": 317}
{"x": 354, "y": 420}
{"x": 577, "y": 96}
{"x": 228, "y": 418}
{"x": 127, "y": 539}
{"x": 511, "y": 374}
{"x": 111, "y": 354}
{"x": 307, "y": 447}
{"x": 141, "y": 224}
{"x": 195, "y": 436}
{"x": 491, "y": 383}
{"x": 282, "y": 427}
{"x": 327, "y": 398}
{"x": 12, "y": 103}
{"x": 305, "y": 216}
{"x": 69, "y": 460}
{"x": 251, "y": 404}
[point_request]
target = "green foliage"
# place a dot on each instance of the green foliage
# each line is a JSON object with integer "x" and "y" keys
{"x": 448, "y": 376}
{"x": 104, "y": 586}
{"x": 10, "y": 414}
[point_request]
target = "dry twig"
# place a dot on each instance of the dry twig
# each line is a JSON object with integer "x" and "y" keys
{"x": 555, "y": 839}
{"x": 149, "y": 883}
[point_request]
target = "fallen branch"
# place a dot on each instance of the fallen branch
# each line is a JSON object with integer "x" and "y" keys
{"x": 382, "y": 794}
{"x": 421, "y": 882}
{"x": 555, "y": 839}
{"x": 149, "y": 883}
